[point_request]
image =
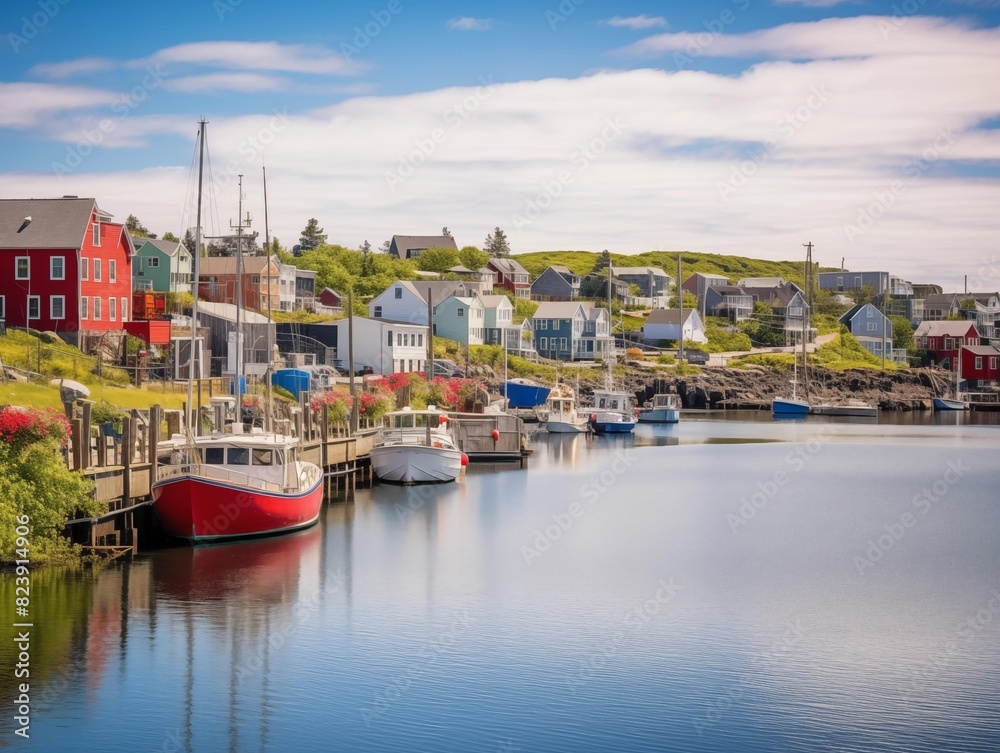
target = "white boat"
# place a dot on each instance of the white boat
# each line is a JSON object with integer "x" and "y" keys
{"x": 416, "y": 447}
{"x": 560, "y": 415}
{"x": 852, "y": 408}
{"x": 613, "y": 412}
{"x": 662, "y": 409}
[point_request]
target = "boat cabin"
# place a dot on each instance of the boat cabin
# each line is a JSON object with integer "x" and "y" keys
{"x": 669, "y": 400}
{"x": 612, "y": 401}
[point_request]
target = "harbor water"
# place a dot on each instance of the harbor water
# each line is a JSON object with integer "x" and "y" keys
{"x": 737, "y": 585}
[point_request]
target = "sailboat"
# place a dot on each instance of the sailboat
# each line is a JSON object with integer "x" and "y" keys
{"x": 233, "y": 484}
{"x": 946, "y": 403}
{"x": 785, "y": 406}
{"x": 614, "y": 410}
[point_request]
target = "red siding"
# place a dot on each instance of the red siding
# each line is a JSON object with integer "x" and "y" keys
{"x": 114, "y": 246}
{"x": 39, "y": 284}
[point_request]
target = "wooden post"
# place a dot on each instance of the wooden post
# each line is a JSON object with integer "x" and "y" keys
{"x": 77, "y": 436}
{"x": 128, "y": 434}
{"x": 155, "y": 419}
{"x": 85, "y": 438}
{"x": 324, "y": 449}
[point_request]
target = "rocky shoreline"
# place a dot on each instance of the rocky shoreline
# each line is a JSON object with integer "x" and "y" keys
{"x": 754, "y": 387}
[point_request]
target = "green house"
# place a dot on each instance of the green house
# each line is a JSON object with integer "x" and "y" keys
{"x": 163, "y": 266}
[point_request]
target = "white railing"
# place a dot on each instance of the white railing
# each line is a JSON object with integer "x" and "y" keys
{"x": 216, "y": 473}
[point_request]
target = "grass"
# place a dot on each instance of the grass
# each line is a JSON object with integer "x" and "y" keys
{"x": 845, "y": 352}
{"x": 825, "y": 324}
{"x": 34, "y": 395}
{"x": 780, "y": 361}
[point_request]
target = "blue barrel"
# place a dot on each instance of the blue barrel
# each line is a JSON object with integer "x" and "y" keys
{"x": 243, "y": 386}
{"x": 293, "y": 380}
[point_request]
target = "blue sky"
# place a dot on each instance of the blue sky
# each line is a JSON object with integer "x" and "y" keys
{"x": 739, "y": 126}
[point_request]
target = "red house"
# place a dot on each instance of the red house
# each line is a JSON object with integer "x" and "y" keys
{"x": 64, "y": 266}
{"x": 943, "y": 339}
{"x": 981, "y": 365}
{"x": 510, "y": 276}
{"x": 331, "y": 299}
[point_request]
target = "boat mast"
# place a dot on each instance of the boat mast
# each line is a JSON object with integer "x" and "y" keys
{"x": 611, "y": 332}
{"x": 806, "y": 311}
{"x": 680, "y": 314}
{"x": 195, "y": 261}
{"x": 238, "y": 294}
{"x": 268, "y": 415}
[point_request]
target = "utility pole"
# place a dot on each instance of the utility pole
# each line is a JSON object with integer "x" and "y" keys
{"x": 680, "y": 313}
{"x": 806, "y": 311}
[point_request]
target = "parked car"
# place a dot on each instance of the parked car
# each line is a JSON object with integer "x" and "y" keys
{"x": 446, "y": 368}
{"x": 699, "y": 357}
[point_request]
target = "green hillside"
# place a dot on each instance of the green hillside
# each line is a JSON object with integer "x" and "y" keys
{"x": 734, "y": 267}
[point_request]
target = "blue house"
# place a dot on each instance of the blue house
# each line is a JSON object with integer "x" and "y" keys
{"x": 871, "y": 328}
{"x": 557, "y": 283}
{"x": 570, "y": 331}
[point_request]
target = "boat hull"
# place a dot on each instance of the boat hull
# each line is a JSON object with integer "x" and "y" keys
{"x": 786, "y": 407}
{"x": 416, "y": 464}
{"x": 525, "y": 395}
{"x": 943, "y": 403}
{"x": 566, "y": 427}
{"x": 659, "y": 416}
{"x": 202, "y": 510}
{"x": 612, "y": 423}
{"x": 855, "y": 411}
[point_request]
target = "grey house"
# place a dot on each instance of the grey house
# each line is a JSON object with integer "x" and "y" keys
{"x": 881, "y": 282}
{"x": 557, "y": 283}
{"x": 940, "y": 306}
{"x": 872, "y": 328}
{"x": 652, "y": 281}
{"x": 729, "y": 301}
{"x": 410, "y": 246}
{"x": 789, "y": 305}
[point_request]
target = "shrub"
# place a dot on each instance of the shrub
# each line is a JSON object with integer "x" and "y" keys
{"x": 667, "y": 359}
{"x": 634, "y": 353}
{"x": 336, "y": 404}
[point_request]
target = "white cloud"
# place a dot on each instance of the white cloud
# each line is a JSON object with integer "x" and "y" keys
{"x": 636, "y": 22}
{"x": 214, "y": 82}
{"x": 468, "y": 23}
{"x": 860, "y": 36}
{"x": 258, "y": 56}
{"x": 25, "y": 105}
{"x": 70, "y": 68}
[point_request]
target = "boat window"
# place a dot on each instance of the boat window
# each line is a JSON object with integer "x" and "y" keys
{"x": 601, "y": 403}
{"x": 614, "y": 405}
{"x": 262, "y": 457}
{"x": 238, "y": 456}
{"x": 406, "y": 422}
{"x": 215, "y": 455}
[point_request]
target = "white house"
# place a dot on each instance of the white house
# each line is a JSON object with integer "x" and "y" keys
{"x": 662, "y": 324}
{"x": 286, "y": 285}
{"x": 461, "y": 319}
{"x": 499, "y": 313}
{"x": 384, "y": 345}
{"x": 406, "y": 301}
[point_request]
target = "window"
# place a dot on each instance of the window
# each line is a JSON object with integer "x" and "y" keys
{"x": 398, "y": 293}
{"x": 399, "y": 339}
{"x": 949, "y": 343}
{"x": 152, "y": 262}
{"x": 870, "y": 313}
{"x": 255, "y": 279}
{"x": 543, "y": 324}
{"x": 878, "y": 347}
{"x": 57, "y": 268}
{"x": 377, "y": 313}
{"x": 3, "y": 307}
{"x": 97, "y": 270}
{"x": 57, "y": 307}
{"x": 562, "y": 343}
{"x": 84, "y": 268}
{"x": 993, "y": 360}
{"x": 84, "y": 305}
{"x": 543, "y": 343}
{"x": 124, "y": 302}
{"x": 112, "y": 271}
{"x": 33, "y": 306}
{"x": 22, "y": 269}
{"x": 96, "y": 235}
{"x": 215, "y": 455}
{"x": 840, "y": 282}
{"x": 857, "y": 282}
{"x": 97, "y": 308}
{"x": 420, "y": 341}
{"x": 262, "y": 457}
{"x": 238, "y": 455}
{"x": 461, "y": 312}
{"x": 872, "y": 327}
{"x": 112, "y": 310}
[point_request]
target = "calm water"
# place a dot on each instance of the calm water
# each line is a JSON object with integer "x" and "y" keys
{"x": 712, "y": 586}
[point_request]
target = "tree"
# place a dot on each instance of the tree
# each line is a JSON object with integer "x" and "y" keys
{"x": 496, "y": 244}
{"x": 902, "y": 332}
{"x": 690, "y": 300}
{"x": 472, "y": 257}
{"x": 763, "y": 327}
{"x": 603, "y": 262}
{"x": 366, "y": 247}
{"x": 312, "y": 236}
{"x": 189, "y": 241}
{"x": 385, "y": 247}
{"x": 438, "y": 259}
{"x": 168, "y": 236}
{"x": 136, "y": 228}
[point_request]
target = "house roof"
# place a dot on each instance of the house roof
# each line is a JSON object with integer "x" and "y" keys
{"x": 492, "y": 301}
{"x": 460, "y": 270}
{"x": 405, "y": 243}
{"x": 656, "y": 271}
{"x": 979, "y": 297}
{"x": 942, "y": 298}
{"x": 55, "y": 223}
{"x": 855, "y": 310}
{"x": 782, "y": 294}
{"x": 226, "y": 265}
{"x": 440, "y": 289}
{"x": 707, "y": 276}
{"x": 728, "y": 290}
{"x": 981, "y": 350}
{"x": 507, "y": 265}
{"x": 761, "y": 282}
{"x": 944, "y": 329}
{"x": 331, "y": 290}
{"x": 558, "y": 310}
{"x": 227, "y": 311}
{"x": 668, "y": 316}
{"x": 563, "y": 270}
{"x": 170, "y": 248}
